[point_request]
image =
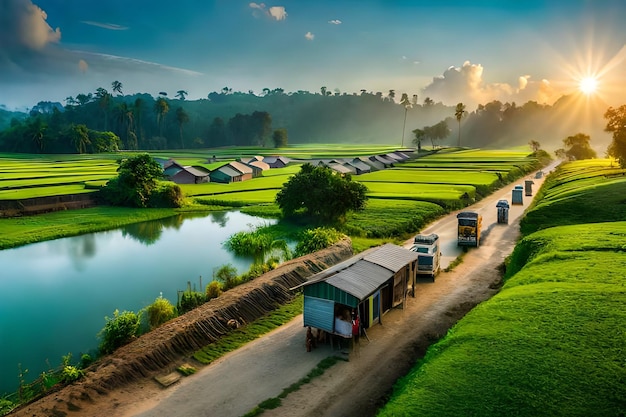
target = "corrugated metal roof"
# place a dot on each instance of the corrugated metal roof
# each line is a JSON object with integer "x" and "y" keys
{"x": 342, "y": 169}
{"x": 243, "y": 168}
{"x": 391, "y": 256}
{"x": 230, "y": 171}
{"x": 364, "y": 273}
{"x": 361, "y": 279}
{"x": 259, "y": 164}
{"x": 196, "y": 172}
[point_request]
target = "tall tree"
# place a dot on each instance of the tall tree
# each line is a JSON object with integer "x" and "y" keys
{"x": 577, "y": 147}
{"x": 116, "y": 87}
{"x": 616, "y": 124}
{"x": 321, "y": 193}
{"x": 104, "y": 101}
{"x": 182, "y": 94}
{"x": 280, "y": 138}
{"x": 534, "y": 145}
{"x": 392, "y": 95}
{"x": 459, "y": 112}
{"x": 161, "y": 107}
{"x": 420, "y": 135}
{"x": 79, "y": 137}
{"x": 436, "y": 132}
{"x": 181, "y": 118}
{"x": 407, "y": 105}
{"x": 323, "y": 90}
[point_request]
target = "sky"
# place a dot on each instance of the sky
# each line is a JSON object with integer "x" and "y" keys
{"x": 451, "y": 51}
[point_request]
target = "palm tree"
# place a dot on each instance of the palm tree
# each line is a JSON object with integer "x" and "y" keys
{"x": 161, "y": 108}
{"x": 182, "y": 94}
{"x": 407, "y": 105}
{"x": 181, "y": 118}
{"x": 138, "y": 111}
{"x": 125, "y": 118}
{"x": 79, "y": 136}
{"x": 392, "y": 95}
{"x": 323, "y": 90}
{"x": 459, "y": 112}
{"x": 428, "y": 102}
{"x": 104, "y": 100}
{"x": 117, "y": 86}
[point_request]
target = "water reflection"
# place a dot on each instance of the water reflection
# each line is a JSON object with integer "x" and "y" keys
{"x": 70, "y": 285}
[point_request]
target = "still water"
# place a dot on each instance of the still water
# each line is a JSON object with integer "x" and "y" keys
{"x": 54, "y": 295}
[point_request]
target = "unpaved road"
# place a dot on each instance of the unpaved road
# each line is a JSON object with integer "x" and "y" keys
{"x": 260, "y": 370}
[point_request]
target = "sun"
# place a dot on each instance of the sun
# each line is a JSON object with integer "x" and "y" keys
{"x": 588, "y": 85}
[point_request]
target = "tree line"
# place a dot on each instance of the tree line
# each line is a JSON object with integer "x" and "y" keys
{"x": 226, "y": 118}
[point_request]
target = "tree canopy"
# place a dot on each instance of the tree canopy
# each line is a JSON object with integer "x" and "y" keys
{"x": 321, "y": 193}
{"x": 137, "y": 185}
{"x": 616, "y": 124}
{"x": 577, "y": 147}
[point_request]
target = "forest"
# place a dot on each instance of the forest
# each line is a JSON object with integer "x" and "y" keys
{"x": 106, "y": 121}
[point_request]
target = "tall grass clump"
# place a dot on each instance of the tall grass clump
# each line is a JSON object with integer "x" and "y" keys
{"x": 159, "y": 312}
{"x": 312, "y": 240}
{"x": 119, "y": 330}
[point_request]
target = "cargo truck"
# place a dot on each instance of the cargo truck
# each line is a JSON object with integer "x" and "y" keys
{"x": 469, "y": 224}
{"x": 428, "y": 254}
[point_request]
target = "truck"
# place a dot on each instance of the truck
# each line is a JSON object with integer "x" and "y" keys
{"x": 503, "y": 211}
{"x": 428, "y": 254}
{"x": 469, "y": 225}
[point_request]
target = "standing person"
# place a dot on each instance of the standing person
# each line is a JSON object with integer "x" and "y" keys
{"x": 356, "y": 332}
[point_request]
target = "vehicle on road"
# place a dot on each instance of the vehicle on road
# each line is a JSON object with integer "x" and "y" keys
{"x": 503, "y": 211}
{"x": 428, "y": 254}
{"x": 469, "y": 225}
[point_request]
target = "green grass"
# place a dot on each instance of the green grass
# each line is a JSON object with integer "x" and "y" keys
{"x": 391, "y": 218}
{"x": 275, "y": 402}
{"x": 551, "y": 350}
{"x": 18, "y": 231}
{"x": 579, "y": 192}
{"x": 552, "y": 341}
{"x": 249, "y": 332}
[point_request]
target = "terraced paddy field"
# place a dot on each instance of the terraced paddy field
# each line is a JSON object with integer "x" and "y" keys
{"x": 552, "y": 341}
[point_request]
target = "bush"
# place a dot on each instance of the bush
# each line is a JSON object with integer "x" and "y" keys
{"x": 119, "y": 330}
{"x": 71, "y": 373}
{"x": 213, "y": 290}
{"x": 159, "y": 312}
{"x": 166, "y": 194}
{"x": 227, "y": 275}
{"x": 190, "y": 300}
{"x": 312, "y": 240}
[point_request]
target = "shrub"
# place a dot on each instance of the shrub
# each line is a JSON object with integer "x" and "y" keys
{"x": 159, "y": 312}
{"x": 190, "y": 300}
{"x": 213, "y": 290}
{"x": 118, "y": 330}
{"x": 71, "y": 373}
{"x": 312, "y": 240}
{"x": 166, "y": 194}
{"x": 227, "y": 275}
{"x": 85, "y": 360}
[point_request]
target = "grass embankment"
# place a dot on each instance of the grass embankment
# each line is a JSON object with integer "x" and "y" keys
{"x": 17, "y": 231}
{"x": 552, "y": 341}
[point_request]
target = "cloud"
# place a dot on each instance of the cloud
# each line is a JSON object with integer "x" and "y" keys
{"x": 309, "y": 36}
{"x": 23, "y": 25}
{"x": 278, "y": 12}
{"x": 335, "y": 22}
{"x": 274, "y": 12}
{"x": 82, "y": 65}
{"x": 110, "y": 26}
{"x": 465, "y": 84}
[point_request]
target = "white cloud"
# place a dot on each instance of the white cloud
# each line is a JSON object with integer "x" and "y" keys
{"x": 274, "y": 12}
{"x": 110, "y": 26}
{"x": 335, "y": 22}
{"x": 23, "y": 25}
{"x": 465, "y": 84}
{"x": 82, "y": 65}
{"x": 277, "y": 12}
{"x": 309, "y": 36}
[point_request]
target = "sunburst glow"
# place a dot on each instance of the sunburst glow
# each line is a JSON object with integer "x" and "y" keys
{"x": 588, "y": 85}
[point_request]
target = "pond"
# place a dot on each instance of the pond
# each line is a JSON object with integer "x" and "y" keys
{"x": 54, "y": 295}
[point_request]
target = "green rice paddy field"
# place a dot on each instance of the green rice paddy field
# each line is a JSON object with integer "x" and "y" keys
{"x": 552, "y": 341}
{"x": 417, "y": 191}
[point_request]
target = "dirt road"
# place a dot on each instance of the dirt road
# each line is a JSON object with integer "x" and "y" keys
{"x": 262, "y": 369}
{"x": 239, "y": 381}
